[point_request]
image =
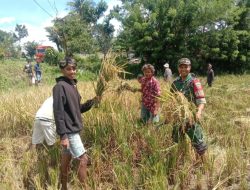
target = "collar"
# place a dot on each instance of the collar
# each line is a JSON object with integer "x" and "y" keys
{"x": 65, "y": 79}
{"x": 188, "y": 78}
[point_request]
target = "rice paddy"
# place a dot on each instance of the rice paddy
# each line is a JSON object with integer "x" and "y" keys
{"x": 124, "y": 153}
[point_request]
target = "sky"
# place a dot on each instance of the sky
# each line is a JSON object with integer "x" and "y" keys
{"x": 36, "y": 15}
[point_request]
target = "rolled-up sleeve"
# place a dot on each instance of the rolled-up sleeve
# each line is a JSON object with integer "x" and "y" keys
{"x": 199, "y": 93}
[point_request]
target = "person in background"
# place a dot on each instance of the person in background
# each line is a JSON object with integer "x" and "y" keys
{"x": 150, "y": 89}
{"x": 67, "y": 112}
{"x": 167, "y": 73}
{"x": 28, "y": 69}
{"x": 210, "y": 75}
{"x": 191, "y": 88}
{"x": 44, "y": 125}
{"x": 38, "y": 72}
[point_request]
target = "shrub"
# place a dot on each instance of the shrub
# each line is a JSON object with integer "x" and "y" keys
{"x": 52, "y": 57}
{"x": 1, "y": 56}
{"x": 91, "y": 62}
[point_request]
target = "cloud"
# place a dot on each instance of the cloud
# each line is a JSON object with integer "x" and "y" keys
{"x": 39, "y": 34}
{"x": 36, "y": 33}
{"x": 49, "y": 22}
{"x": 113, "y": 3}
{"x": 117, "y": 25}
{"x": 7, "y": 20}
{"x": 113, "y": 21}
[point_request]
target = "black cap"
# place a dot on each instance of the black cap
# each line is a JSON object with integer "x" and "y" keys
{"x": 67, "y": 61}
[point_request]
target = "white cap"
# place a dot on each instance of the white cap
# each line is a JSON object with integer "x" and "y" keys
{"x": 166, "y": 65}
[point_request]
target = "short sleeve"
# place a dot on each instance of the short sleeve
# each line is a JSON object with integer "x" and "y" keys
{"x": 198, "y": 92}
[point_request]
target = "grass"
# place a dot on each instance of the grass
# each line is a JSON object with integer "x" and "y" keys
{"x": 124, "y": 153}
{"x": 109, "y": 71}
{"x": 13, "y": 77}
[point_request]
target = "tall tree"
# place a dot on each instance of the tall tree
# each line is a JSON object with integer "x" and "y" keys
{"x": 7, "y": 48}
{"x": 88, "y": 10}
{"x": 20, "y": 32}
{"x": 54, "y": 37}
{"x": 104, "y": 34}
{"x": 73, "y": 35}
{"x": 163, "y": 30}
{"x": 79, "y": 31}
{"x": 30, "y": 48}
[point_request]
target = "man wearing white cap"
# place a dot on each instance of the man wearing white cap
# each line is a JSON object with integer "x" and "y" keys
{"x": 167, "y": 73}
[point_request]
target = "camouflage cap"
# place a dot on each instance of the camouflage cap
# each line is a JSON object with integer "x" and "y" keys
{"x": 184, "y": 61}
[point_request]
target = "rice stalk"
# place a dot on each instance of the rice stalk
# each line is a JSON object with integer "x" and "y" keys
{"x": 177, "y": 110}
{"x": 125, "y": 87}
{"x": 109, "y": 71}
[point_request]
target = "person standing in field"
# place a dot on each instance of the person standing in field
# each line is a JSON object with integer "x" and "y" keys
{"x": 67, "y": 112}
{"x": 150, "y": 89}
{"x": 191, "y": 88}
{"x": 44, "y": 125}
{"x": 28, "y": 69}
{"x": 38, "y": 72}
{"x": 167, "y": 73}
{"x": 210, "y": 75}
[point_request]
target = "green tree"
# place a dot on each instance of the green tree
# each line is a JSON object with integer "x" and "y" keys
{"x": 52, "y": 57}
{"x": 163, "y": 30}
{"x": 88, "y": 10}
{"x": 104, "y": 34}
{"x": 21, "y": 32}
{"x": 54, "y": 37}
{"x": 30, "y": 48}
{"x": 74, "y": 35}
{"x": 7, "y": 48}
{"x": 79, "y": 32}
{"x": 243, "y": 33}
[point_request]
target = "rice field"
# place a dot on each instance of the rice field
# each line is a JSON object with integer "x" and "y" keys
{"x": 124, "y": 153}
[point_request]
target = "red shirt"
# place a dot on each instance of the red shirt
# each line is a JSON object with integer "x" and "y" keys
{"x": 150, "y": 89}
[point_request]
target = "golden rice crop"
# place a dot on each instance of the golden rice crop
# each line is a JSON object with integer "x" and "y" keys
{"x": 177, "y": 109}
{"x": 125, "y": 87}
{"x": 109, "y": 71}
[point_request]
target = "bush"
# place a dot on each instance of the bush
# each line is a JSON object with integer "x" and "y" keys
{"x": 52, "y": 57}
{"x": 91, "y": 62}
{"x": 1, "y": 56}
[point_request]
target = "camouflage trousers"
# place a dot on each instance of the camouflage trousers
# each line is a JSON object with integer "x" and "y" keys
{"x": 195, "y": 134}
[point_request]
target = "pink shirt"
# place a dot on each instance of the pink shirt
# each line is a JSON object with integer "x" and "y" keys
{"x": 150, "y": 89}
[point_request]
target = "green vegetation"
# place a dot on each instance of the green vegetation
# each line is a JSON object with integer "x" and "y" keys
{"x": 216, "y": 31}
{"x": 205, "y": 31}
{"x": 13, "y": 77}
{"x": 124, "y": 154}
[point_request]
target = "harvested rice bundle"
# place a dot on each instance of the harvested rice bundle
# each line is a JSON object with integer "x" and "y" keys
{"x": 125, "y": 87}
{"x": 177, "y": 109}
{"x": 110, "y": 70}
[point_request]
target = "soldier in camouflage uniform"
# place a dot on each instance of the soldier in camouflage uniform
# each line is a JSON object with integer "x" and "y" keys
{"x": 191, "y": 88}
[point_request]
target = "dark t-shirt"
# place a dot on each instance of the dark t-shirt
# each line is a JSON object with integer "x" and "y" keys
{"x": 28, "y": 68}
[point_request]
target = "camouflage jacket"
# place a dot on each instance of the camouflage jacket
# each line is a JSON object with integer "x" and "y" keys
{"x": 191, "y": 89}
